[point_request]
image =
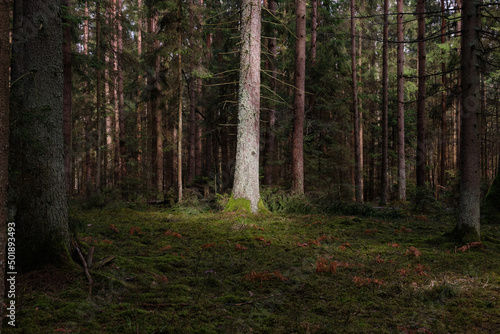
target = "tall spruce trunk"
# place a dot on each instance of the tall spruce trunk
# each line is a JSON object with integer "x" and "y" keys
{"x": 443, "y": 139}
{"x": 401, "y": 106}
{"x": 421, "y": 96}
{"x": 5, "y": 6}
{"x": 358, "y": 154}
{"x": 246, "y": 177}
{"x": 299, "y": 99}
{"x": 37, "y": 196}
{"x": 468, "y": 224}
{"x": 385, "y": 106}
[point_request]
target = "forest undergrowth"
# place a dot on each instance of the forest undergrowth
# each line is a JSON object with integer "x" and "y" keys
{"x": 180, "y": 270}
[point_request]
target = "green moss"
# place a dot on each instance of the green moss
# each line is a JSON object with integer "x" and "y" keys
{"x": 242, "y": 205}
{"x": 239, "y": 205}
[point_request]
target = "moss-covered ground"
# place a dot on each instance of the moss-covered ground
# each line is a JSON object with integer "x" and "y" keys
{"x": 175, "y": 272}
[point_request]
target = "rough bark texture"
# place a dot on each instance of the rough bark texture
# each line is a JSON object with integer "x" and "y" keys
{"x": 468, "y": 227}
{"x": 37, "y": 196}
{"x": 421, "y": 145}
{"x": 4, "y": 137}
{"x": 299, "y": 99}
{"x": 401, "y": 107}
{"x": 385, "y": 105}
{"x": 246, "y": 177}
{"x": 358, "y": 155}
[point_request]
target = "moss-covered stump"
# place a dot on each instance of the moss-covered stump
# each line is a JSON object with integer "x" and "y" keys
{"x": 243, "y": 206}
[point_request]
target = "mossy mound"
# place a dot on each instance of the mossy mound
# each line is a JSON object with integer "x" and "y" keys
{"x": 244, "y": 206}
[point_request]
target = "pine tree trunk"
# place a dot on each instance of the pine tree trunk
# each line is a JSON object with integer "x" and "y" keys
{"x": 299, "y": 99}
{"x": 98, "y": 169}
{"x": 421, "y": 96}
{"x": 179, "y": 78}
{"x": 444, "y": 137}
{"x": 385, "y": 106}
{"x": 401, "y": 107}
{"x": 121, "y": 103}
{"x": 246, "y": 178}
{"x": 4, "y": 137}
{"x": 37, "y": 201}
{"x": 468, "y": 225}
{"x": 358, "y": 155}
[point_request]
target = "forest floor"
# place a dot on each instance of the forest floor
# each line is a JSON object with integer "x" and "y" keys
{"x": 159, "y": 270}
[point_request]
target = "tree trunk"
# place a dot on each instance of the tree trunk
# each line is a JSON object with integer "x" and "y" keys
{"x": 443, "y": 146}
{"x": 385, "y": 105}
{"x": 37, "y": 200}
{"x": 269, "y": 149}
{"x": 468, "y": 227}
{"x": 121, "y": 103}
{"x": 246, "y": 178}
{"x": 67, "y": 96}
{"x": 299, "y": 99}
{"x": 401, "y": 107}
{"x": 5, "y": 6}
{"x": 179, "y": 78}
{"x": 314, "y": 25}
{"x": 99, "y": 152}
{"x": 421, "y": 96}
{"x": 358, "y": 155}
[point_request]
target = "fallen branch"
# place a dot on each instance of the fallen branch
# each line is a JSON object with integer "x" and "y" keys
{"x": 85, "y": 267}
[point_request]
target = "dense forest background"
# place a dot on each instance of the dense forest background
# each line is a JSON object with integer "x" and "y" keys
{"x": 140, "y": 68}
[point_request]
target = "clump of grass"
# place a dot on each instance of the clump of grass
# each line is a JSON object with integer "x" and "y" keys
{"x": 178, "y": 271}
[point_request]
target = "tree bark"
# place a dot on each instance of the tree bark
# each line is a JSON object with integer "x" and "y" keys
{"x": 299, "y": 99}
{"x": 421, "y": 96}
{"x": 246, "y": 178}
{"x": 401, "y": 107}
{"x": 121, "y": 103}
{"x": 468, "y": 224}
{"x": 99, "y": 152}
{"x": 385, "y": 105}
{"x": 179, "y": 78}
{"x": 358, "y": 155}
{"x": 37, "y": 200}
{"x": 444, "y": 137}
{"x": 5, "y": 6}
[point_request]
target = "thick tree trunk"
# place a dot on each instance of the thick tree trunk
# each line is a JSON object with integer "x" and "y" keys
{"x": 246, "y": 178}
{"x": 299, "y": 99}
{"x": 38, "y": 203}
{"x": 5, "y": 6}
{"x": 468, "y": 227}
{"x": 385, "y": 106}
{"x": 401, "y": 107}
{"x": 421, "y": 96}
{"x": 358, "y": 155}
